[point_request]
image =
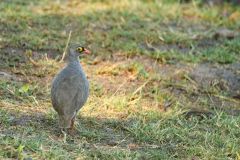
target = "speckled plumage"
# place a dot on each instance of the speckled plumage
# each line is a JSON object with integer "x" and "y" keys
{"x": 70, "y": 90}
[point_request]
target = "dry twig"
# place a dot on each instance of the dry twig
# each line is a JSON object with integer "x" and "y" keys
{"x": 65, "y": 50}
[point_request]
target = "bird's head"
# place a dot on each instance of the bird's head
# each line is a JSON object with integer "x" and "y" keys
{"x": 75, "y": 51}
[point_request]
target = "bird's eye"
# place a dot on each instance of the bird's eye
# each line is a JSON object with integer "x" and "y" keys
{"x": 80, "y": 49}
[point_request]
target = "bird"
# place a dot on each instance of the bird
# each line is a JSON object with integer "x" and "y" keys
{"x": 70, "y": 88}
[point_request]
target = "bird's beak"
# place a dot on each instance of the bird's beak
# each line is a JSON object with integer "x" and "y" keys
{"x": 86, "y": 51}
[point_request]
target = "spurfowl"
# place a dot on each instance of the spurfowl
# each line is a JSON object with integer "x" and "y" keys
{"x": 70, "y": 88}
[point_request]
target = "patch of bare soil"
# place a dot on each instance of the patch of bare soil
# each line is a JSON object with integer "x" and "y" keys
{"x": 226, "y": 77}
{"x": 202, "y": 77}
{"x": 118, "y": 74}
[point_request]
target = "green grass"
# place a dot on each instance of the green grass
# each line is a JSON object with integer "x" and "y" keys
{"x": 140, "y": 73}
{"x": 161, "y": 137}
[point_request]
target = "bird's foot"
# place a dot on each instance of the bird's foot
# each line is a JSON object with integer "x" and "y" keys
{"x": 64, "y": 135}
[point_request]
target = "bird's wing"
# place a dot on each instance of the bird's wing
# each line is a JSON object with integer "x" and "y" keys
{"x": 63, "y": 94}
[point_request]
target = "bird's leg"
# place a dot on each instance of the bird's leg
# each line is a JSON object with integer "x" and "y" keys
{"x": 71, "y": 129}
{"x": 72, "y": 123}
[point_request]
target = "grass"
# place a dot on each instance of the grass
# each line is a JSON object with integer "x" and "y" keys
{"x": 153, "y": 63}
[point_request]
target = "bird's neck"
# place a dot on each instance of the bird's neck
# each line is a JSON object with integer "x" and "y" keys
{"x": 73, "y": 62}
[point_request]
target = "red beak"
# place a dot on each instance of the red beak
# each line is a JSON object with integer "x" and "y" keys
{"x": 86, "y": 51}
